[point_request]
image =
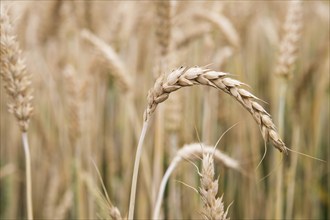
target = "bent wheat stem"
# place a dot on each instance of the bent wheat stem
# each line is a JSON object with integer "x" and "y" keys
{"x": 136, "y": 170}
{"x": 187, "y": 152}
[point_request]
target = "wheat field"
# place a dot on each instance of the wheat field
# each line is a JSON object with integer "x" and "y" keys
{"x": 164, "y": 109}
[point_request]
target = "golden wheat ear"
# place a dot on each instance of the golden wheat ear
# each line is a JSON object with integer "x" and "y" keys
{"x": 16, "y": 79}
{"x": 184, "y": 77}
{"x": 213, "y": 207}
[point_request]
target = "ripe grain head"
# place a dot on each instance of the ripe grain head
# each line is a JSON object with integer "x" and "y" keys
{"x": 183, "y": 77}
{"x": 17, "y": 81}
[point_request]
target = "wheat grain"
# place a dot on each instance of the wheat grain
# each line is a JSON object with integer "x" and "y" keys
{"x": 183, "y": 77}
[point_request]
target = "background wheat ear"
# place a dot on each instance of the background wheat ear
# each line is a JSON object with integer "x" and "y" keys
{"x": 17, "y": 83}
{"x": 16, "y": 79}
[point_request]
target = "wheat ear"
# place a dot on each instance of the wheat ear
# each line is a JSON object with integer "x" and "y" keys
{"x": 163, "y": 28}
{"x": 17, "y": 84}
{"x": 213, "y": 207}
{"x": 188, "y": 152}
{"x": 183, "y": 77}
{"x": 289, "y": 44}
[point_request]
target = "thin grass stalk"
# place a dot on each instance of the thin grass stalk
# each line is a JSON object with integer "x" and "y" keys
{"x": 28, "y": 175}
{"x": 292, "y": 173}
{"x": 119, "y": 71}
{"x": 279, "y": 174}
{"x": 136, "y": 170}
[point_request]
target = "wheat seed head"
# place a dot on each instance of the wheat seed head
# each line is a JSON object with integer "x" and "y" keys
{"x": 213, "y": 207}
{"x": 16, "y": 80}
{"x": 183, "y": 77}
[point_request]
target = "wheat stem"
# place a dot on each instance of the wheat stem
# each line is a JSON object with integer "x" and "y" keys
{"x": 187, "y": 152}
{"x": 136, "y": 170}
{"x": 28, "y": 175}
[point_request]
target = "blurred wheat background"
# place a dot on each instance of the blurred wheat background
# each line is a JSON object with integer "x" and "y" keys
{"x": 92, "y": 64}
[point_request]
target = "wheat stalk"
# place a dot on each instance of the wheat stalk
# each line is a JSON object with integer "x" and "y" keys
{"x": 183, "y": 77}
{"x": 213, "y": 205}
{"x": 286, "y": 60}
{"x": 188, "y": 152}
{"x": 17, "y": 83}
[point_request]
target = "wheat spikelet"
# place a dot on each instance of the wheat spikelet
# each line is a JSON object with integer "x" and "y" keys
{"x": 288, "y": 45}
{"x": 213, "y": 205}
{"x": 17, "y": 81}
{"x": 183, "y": 77}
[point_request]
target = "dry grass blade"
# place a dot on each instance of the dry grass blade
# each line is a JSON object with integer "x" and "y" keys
{"x": 223, "y": 24}
{"x": 107, "y": 209}
{"x": 183, "y": 77}
{"x": 212, "y": 205}
{"x": 116, "y": 65}
{"x": 183, "y": 38}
